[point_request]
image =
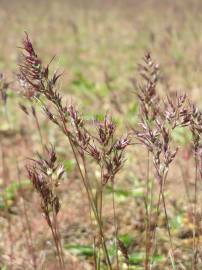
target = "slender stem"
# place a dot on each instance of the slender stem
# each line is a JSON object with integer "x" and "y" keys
{"x": 26, "y": 228}
{"x": 91, "y": 221}
{"x": 84, "y": 180}
{"x": 161, "y": 195}
{"x": 147, "y": 240}
{"x": 168, "y": 227}
{"x": 94, "y": 254}
{"x": 39, "y": 130}
{"x": 158, "y": 212}
{"x": 88, "y": 190}
{"x": 55, "y": 240}
{"x": 101, "y": 200}
{"x": 100, "y": 210}
{"x": 92, "y": 203}
{"x": 57, "y": 237}
{"x": 115, "y": 226}
{"x": 195, "y": 248}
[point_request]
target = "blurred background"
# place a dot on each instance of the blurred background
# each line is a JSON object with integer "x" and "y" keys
{"x": 97, "y": 45}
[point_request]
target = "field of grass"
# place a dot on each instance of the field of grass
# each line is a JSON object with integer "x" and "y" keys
{"x": 109, "y": 178}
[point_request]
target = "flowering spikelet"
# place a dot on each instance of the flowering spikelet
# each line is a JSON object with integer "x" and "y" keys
{"x": 45, "y": 174}
{"x": 30, "y": 69}
{"x": 147, "y": 89}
